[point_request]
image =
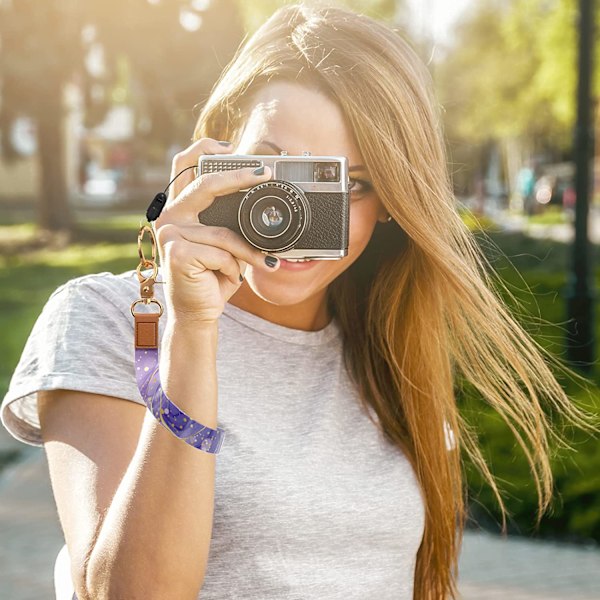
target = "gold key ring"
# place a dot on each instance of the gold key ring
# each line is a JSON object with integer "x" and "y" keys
{"x": 152, "y": 301}
{"x": 144, "y": 262}
{"x": 147, "y": 265}
{"x": 147, "y": 283}
{"x": 142, "y": 231}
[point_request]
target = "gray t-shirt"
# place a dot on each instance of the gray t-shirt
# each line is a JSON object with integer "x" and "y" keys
{"x": 311, "y": 501}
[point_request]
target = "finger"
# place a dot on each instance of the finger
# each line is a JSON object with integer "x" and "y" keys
{"x": 226, "y": 239}
{"x": 243, "y": 266}
{"x": 200, "y": 193}
{"x": 189, "y": 158}
{"x": 216, "y": 259}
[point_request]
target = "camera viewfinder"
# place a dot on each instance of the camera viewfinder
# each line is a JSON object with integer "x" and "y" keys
{"x": 327, "y": 171}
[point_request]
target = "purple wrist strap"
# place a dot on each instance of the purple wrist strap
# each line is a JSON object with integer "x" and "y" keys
{"x": 173, "y": 418}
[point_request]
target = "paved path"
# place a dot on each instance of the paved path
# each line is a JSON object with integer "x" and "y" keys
{"x": 491, "y": 568}
{"x": 494, "y": 568}
{"x": 559, "y": 232}
{"x": 30, "y": 533}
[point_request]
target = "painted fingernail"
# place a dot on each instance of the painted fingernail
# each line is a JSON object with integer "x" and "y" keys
{"x": 271, "y": 261}
{"x": 223, "y": 143}
{"x": 259, "y": 170}
{"x": 241, "y": 278}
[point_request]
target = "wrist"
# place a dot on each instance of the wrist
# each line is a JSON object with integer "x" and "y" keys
{"x": 182, "y": 324}
{"x": 184, "y": 339}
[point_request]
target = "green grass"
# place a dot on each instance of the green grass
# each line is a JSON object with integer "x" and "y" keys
{"x": 28, "y": 278}
{"x": 551, "y": 215}
{"x": 477, "y": 222}
{"x": 9, "y": 456}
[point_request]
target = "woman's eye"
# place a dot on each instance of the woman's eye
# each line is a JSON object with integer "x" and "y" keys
{"x": 359, "y": 187}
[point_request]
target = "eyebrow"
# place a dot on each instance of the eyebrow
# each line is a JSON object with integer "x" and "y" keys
{"x": 280, "y": 150}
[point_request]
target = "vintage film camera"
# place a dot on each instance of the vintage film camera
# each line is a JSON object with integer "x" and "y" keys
{"x": 301, "y": 212}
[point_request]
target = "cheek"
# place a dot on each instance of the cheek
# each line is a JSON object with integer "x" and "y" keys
{"x": 363, "y": 218}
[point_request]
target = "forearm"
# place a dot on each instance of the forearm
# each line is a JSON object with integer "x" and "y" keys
{"x": 155, "y": 538}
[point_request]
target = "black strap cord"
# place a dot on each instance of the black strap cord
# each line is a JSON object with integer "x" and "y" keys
{"x": 158, "y": 203}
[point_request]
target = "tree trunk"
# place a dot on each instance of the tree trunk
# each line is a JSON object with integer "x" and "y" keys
{"x": 54, "y": 211}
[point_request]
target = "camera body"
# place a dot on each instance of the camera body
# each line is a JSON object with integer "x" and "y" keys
{"x": 301, "y": 212}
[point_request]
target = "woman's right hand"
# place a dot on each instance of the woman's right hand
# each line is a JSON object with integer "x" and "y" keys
{"x": 202, "y": 264}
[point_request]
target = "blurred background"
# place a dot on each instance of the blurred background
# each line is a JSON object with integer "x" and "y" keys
{"x": 97, "y": 97}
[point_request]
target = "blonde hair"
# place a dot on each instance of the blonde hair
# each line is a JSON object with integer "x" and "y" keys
{"x": 418, "y": 308}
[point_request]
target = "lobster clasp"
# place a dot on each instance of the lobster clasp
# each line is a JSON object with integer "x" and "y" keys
{"x": 147, "y": 283}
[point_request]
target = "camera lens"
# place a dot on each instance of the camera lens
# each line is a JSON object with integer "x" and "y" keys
{"x": 270, "y": 216}
{"x": 273, "y": 215}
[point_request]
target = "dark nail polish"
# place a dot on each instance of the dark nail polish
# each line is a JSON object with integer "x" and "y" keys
{"x": 223, "y": 143}
{"x": 241, "y": 279}
{"x": 259, "y": 170}
{"x": 271, "y": 261}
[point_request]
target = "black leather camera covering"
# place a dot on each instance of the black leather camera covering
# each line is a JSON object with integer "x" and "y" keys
{"x": 328, "y": 229}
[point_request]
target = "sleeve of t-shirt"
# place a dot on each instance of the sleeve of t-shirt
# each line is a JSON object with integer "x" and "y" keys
{"x": 81, "y": 341}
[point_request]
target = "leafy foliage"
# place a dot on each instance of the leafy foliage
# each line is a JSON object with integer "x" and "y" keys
{"x": 535, "y": 272}
{"x": 512, "y": 72}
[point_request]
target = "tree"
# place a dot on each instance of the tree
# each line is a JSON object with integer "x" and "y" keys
{"x": 511, "y": 76}
{"x": 174, "y": 50}
{"x": 256, "y": 12}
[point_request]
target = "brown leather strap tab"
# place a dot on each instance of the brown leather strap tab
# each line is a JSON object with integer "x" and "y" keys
{"x": 146, "y": 330}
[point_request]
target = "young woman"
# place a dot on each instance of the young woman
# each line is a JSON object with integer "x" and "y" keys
{"x": 340, "y": 475}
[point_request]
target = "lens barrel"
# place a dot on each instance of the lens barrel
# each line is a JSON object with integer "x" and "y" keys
{"x": 273, "y": 215}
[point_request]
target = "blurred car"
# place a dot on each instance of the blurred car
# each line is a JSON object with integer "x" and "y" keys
{"x": 102, "y": 188}
{"x": 555, "y": 186}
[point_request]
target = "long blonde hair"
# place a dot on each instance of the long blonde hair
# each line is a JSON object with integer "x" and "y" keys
{"x": 418, "y": 307}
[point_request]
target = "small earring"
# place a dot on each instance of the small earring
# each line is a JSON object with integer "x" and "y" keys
{"x": 389, "y": 218}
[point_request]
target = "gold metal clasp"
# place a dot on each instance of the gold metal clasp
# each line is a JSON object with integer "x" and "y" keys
{"x": 142, "y": 231}
{"x": 153, "y": 300}
{"x": 147, "y": 283}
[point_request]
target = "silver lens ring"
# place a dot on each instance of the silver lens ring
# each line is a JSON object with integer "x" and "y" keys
{"x": 252, "y": 217}
{"x": 299, "y": 212}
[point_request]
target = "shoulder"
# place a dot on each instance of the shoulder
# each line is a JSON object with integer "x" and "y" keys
{"x": 104, "y": 283}
{"x": 104, "y": 289}
{"x": 82, "y": 340}
{"x": 87, "y": 307}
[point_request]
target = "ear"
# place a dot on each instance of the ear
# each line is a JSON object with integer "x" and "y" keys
{"x": 383, "y": 216}
{"x": 382, "y": 213}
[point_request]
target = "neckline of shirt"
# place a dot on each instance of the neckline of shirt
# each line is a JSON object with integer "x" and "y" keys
{"x": 286, "y": 334}
{"x": 275, "y": 330}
